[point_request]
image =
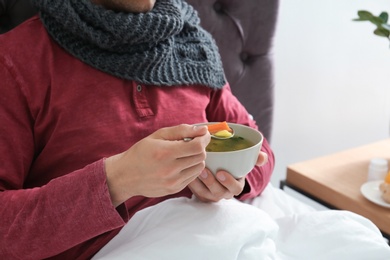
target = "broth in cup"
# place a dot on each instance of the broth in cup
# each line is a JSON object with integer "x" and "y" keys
{"x": 228, "y": 145}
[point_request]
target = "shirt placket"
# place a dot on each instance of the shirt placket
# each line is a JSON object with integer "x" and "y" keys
{"x": 141, "y": 102}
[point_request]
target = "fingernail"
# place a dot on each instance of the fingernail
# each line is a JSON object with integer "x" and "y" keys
{"x": 195, "y": 127}
{"x": 221, "y": 177}
{"x": 204, "y": 174}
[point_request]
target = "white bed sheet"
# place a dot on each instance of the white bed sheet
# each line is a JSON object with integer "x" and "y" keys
{"x": 272, "y": 226}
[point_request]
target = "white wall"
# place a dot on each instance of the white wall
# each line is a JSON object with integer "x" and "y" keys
{"x": 332, "y": 80}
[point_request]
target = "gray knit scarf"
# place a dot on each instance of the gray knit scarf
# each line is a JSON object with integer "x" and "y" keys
{"x": 164, "y": 47}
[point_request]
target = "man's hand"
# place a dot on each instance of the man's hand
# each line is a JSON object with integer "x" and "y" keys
{"x": 158, "y": 165}
{"x": 210, "y": 188}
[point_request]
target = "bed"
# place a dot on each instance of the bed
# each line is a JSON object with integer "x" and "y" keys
{"x": 274, "y": 225}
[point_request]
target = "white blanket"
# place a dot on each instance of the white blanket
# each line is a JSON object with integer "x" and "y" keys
{"x": 188, "y": 229}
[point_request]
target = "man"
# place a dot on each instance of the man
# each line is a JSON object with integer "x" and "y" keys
{"x": 97, "y": 97}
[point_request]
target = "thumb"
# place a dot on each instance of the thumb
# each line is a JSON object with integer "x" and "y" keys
{"x": 262, "y": 159}
{"x": 180, "y": 132}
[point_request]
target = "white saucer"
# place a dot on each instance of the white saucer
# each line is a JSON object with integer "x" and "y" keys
{"x": 370, "y": 191}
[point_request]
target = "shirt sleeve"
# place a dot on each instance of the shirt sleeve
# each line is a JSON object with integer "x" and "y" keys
{"x": 42, "y": 221}
{"x": 224, "y": 106}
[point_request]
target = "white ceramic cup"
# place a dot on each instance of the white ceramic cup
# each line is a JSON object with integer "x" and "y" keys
{"x": 377, "y": 169}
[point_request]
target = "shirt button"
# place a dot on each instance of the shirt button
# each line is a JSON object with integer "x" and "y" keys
{"x": 139, "y": 88}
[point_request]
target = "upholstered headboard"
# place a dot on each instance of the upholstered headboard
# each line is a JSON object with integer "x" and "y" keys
{"x": 14, "y": 12}
{"x": 244, "y": 33}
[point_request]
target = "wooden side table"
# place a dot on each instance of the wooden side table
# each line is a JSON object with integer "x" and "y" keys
{"x": 335, "y": 181}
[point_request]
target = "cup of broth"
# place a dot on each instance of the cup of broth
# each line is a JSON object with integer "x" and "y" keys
{"x": 237, "y": 155}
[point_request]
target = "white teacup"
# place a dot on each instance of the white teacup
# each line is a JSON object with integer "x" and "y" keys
{"x": 238, "y": 163}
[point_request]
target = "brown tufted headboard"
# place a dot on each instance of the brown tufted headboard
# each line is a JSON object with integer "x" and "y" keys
{"x": 244, "y": 33}
{"x": 243, "y": 30}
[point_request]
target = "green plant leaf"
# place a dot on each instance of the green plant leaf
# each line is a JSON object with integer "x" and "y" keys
{"x": 382, "y": 32}
{"x": 364, "y": 16}
{"x": 384, "y": 16}
{"x": 376, "y": 20}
